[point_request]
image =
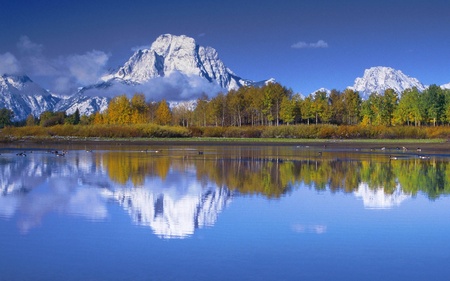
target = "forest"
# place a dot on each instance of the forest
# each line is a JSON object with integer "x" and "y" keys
{"x": 271, "y": 110}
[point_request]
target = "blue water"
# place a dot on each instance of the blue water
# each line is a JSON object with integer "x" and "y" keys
{"x": 72, "y": 218}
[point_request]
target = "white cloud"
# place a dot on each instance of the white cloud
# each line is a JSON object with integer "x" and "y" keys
{"x": 304, "y": 45}
{"x": 87, "y": 68}
{"x": 174, "y": 87}
{"x": 25, "y": 45}
{"x": 137, "y": 48}
{"x": 9, "y": 64}
{"x": 66, "y": 73}
{"x": 309, "y": 228}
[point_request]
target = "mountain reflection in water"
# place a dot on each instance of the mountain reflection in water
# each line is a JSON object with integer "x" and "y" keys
{"x": 176, "y": 192}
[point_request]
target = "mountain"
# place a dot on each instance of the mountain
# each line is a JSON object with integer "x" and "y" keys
{"x": 446, "y": 86}
{"x": 175, "y": 68}
{"x": 23, "y": 96}
{"x": 174, "y": 213}
{"x": 378, "y": 79}
{"x": 86, "y": 104}
{"x": 321, "y": 90}
{"x": 170, "y": 53}
{"x": 175, "y": 209}
{"x": 378, "y": 199}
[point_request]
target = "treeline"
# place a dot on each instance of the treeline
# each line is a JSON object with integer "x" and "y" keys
{"x": 273, "y": 105}
{"x": 269, "y": 106}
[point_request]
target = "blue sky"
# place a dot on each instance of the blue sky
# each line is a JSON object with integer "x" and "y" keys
{"x": 304, "y": 45}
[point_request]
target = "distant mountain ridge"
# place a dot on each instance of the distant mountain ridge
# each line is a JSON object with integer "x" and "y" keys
{"x": 379, "y": 79}
{"x": 23, "y": 96}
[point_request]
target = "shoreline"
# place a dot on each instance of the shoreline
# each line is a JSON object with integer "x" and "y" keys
{"x": 435, "y": 145}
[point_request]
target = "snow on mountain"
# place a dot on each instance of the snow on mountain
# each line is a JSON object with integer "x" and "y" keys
{"x": 446, "y": 86}
{"x": 21, "y": 95}
{"x": 378, "y": 79}
{"x": 175, "y": 68}
{"x": 321, "y": 90}
{"x": 378, "y": 199}
{"x": 173, "y": 214}
{"x": 171, "y": 53}
{"x": 86, "y": 104}
{"x": 81, "y": 186}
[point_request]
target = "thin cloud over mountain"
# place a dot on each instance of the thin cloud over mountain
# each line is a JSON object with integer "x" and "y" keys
{"x": 63, "y": 73}
{"x": 303, "y": 45}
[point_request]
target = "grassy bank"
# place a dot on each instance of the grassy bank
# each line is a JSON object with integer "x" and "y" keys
{"x": 214, "y": 134}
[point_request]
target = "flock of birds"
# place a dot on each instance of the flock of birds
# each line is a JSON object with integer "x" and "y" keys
{"x": 55, "y": 152}
{"x": 402, "y": 149}
{"x": 319, "y": 154}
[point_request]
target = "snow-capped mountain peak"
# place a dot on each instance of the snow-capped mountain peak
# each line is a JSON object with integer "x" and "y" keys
{"x": 173, "y": 67}
{"x": 170, "y": 53}
{"x": 380, "y": 78}
{"x": 21, "y": 95}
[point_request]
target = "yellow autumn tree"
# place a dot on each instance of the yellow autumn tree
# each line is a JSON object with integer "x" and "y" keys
{"x": 163, "y": 113}
{"x": 139, "y": 109}
{"x": 119, "y": 111}
{"x": 98, "y": 118}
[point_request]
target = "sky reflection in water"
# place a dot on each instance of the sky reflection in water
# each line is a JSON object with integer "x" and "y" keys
{"x": 242, "y": 212}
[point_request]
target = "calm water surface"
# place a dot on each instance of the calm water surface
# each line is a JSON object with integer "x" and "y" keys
{"x": 223, "y": 213}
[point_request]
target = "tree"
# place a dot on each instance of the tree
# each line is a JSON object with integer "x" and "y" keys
{"x": 219, "y": 109}
{"x": 367, "y": 112}
{"x": 6, "y": 116}
{"x": 352, "y": 105}
{"x": 337, "y": 107}
{"x": 201, "y": 110}
{"x": 388, "y": 105}
{"x": 163, "y": 113}
{"x": 181, "y": 114}
{"x": 287, "y": 110}
{"x": 237, "y": 105}
{"x": 321, "y": 107}
{"x": 273, "y": 96}
{"x": 74, "y": 118}
{"x": 119, "y": 111}
{"x": 254, "y": 100}
{"x": 410, "y": 108}
{"x": 139, "y": 109}
{"x": 434, "y": 101}
{"x": 446, "y": 93}
{"x": 306, "y": 109}
{"x": 31, "y": 120}
{"x": 49, "y": 118}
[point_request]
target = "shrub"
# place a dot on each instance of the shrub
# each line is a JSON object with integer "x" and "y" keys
{"x": 196, "y": 131}
{"x": 214, "y": 132}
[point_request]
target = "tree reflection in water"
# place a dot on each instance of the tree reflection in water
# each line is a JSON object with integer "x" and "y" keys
{"x": 275, "y": 176}
{"x": 176, "y": 191}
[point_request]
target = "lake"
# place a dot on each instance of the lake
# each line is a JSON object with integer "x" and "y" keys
{"x": 207, "y": 212}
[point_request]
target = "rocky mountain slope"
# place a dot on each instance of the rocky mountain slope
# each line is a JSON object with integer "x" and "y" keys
{"x": 23, "y": 96}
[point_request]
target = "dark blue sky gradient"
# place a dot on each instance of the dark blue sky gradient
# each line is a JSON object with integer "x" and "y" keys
{"x": 253, "y": 38}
